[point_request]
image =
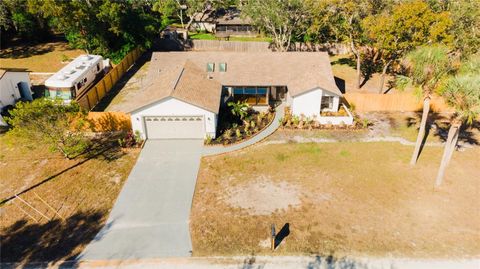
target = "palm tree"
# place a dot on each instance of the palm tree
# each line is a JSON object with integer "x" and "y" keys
{"x": 462, "y": 92}
{"x": 239, "y": 109}
{"x": 426, "y": 67}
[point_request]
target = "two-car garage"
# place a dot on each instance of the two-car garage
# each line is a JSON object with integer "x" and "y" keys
{"x": 172, "y": 118}
{"x": 174, "y": 127}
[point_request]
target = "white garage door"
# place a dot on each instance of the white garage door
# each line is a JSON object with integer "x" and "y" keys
{"x": 175, "y": 127}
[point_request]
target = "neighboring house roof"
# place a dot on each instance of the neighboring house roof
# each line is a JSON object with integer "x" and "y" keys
{"x": 183, "y": 75}
{"x": 230, "y": 16}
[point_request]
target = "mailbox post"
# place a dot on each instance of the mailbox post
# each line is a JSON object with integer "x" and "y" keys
{"x": 273, "y": 237}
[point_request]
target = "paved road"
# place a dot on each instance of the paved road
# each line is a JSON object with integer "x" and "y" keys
{"x": 220, "y": 149}
{"x": 150, "y": 218}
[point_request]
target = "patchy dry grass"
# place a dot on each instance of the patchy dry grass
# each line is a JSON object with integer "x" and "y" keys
{"x": 45, "y": 57}
{"x": 356, "y": 198}
{"x": 82, "y": 191}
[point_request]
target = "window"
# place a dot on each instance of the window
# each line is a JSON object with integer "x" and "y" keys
{"x": 327, "y": 102}
{"x": 251, "y": 95}
{"x": 62, "y": 94}
{"x": 210, "y": 67}
{"x": 98, "y": 67}
{"x": 222, "y": 67}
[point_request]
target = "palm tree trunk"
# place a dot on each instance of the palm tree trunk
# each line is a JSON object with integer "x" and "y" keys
{"x": 421, "y": 131}
{"x": 448, "y": 152}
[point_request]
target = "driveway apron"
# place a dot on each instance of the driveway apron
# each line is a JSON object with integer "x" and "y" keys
{"x": 150, "y": 218}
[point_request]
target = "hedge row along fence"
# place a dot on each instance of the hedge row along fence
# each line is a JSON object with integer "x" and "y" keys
{"x": 365, "y": 102}
{"x": 92, "y": 97}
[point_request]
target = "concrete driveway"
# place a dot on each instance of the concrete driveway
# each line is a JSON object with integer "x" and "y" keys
{"x": 150, "y": 218}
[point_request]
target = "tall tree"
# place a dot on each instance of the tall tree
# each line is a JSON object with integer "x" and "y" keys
{"x": 426, "y": 67}
{"x": 462, "y": 92}
{"x": 346, "y": 17}
{"x": 465, "y": 15}
{"x": 110, "y": 28}
{"x": 406, "y": 26}
{"x": 283, "y": 20}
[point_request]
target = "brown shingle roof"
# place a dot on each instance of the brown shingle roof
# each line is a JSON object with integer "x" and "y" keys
{"x": 187, "y": 83}
{"x": 299, "y": 71}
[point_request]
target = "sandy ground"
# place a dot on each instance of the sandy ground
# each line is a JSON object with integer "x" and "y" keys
{"x": 263, "y": 197}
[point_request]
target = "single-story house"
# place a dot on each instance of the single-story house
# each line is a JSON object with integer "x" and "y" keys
{"x": 14, "y": 86}
{"x": 185, "y": 90}
{"x": 224, "y": 23}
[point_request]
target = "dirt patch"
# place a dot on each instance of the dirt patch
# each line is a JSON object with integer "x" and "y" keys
{"x": 263, "y": 196}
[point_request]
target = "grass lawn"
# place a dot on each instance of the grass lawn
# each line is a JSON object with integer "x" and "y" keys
{"x": 45, "y": 57}
{"x": 347, "y": 198}
{"x": 210, "y": 36}
{"x": 82, "y": 191}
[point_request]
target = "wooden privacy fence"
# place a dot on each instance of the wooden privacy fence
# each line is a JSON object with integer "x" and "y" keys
{"x": 109, "y": 121}
{"x": 365, "y": 102}
{"x": 222, "y": 45}
{"x": 91, "y": 97}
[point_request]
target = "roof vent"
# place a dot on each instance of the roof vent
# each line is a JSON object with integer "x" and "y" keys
{"x": 86, "y": 57}
{"x": 61, "y": 77}
{"x": 69, "y": 72}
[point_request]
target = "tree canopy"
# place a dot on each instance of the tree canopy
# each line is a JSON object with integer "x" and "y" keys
{"x": 109, "y": 28}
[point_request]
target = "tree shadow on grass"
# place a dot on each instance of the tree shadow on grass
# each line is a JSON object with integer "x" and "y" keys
{"x": 345, "y": 61}
{"x": 51, "y": 242}
{"x": 331, "y": 262}
{"x": 103, "y": 147}
{"x": 440, "y": 125}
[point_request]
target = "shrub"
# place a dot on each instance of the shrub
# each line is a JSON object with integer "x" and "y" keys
{"x": 53, "y": 123}
{"x": 238, "y": 133}
{"x": 130, "y": 140}
{"x": 208, "y": 140}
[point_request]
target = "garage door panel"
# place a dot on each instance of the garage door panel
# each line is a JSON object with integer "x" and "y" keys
{"x": 175, "y": 127}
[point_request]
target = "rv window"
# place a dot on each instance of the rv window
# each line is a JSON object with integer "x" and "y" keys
{"x": 85, "y": 80}
{"x": 98, "y": 67}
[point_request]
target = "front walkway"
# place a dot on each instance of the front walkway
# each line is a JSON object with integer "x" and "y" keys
{"x": 150, "y": 218}
{"x": 220, "y": 149}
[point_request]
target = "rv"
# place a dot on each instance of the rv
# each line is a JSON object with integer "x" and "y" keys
{"x": 76, "y": 77}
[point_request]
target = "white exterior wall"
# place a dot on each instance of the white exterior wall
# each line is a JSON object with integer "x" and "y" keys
{"x": 9, "y": 91}
{"x": 174, "y": 107}
{"x": 307, "y": 104}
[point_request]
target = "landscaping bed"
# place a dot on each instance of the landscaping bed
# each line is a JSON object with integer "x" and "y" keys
{"x": 234, "y": 129}
{"x": 337, "y": 199}
{"x": 290, "y": 121}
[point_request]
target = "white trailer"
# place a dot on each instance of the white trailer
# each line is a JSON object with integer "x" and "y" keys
{"x": 76, "y": 77}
